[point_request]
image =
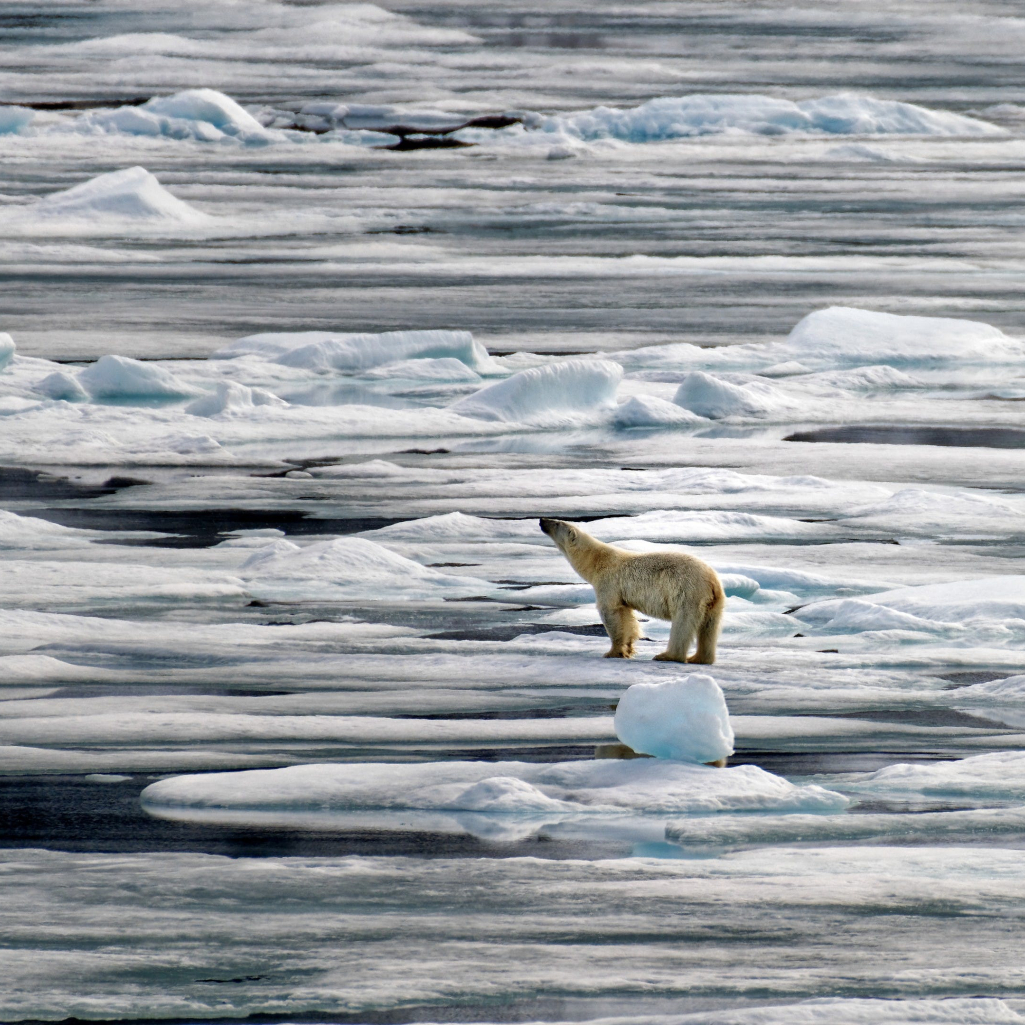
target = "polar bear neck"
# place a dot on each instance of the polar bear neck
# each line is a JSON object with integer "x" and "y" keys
{"x": 589, "y": 556}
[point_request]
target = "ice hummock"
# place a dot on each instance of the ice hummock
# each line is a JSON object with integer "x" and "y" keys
{"x": 545, "y": 393}
{"x": 118, "y": 199}
{"x": 114, "y": 378}
{"x": 842, "y": 337}
{"x": 357, "y": 353}
{"x": 752, "y": 114}
{"x": 203, "y": 115}
{"x": 685, "y": 720}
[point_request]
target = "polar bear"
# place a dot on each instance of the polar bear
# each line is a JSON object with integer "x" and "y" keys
{"x": 664, "y": 585}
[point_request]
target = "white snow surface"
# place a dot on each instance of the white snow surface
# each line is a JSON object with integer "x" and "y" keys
{"x": 684, "y": 720}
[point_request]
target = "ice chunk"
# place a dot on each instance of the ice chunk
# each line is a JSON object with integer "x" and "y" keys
{"x": 347, "y": 567}
{"x": 939, "y": 513}
{"x": 201, "y": 114}
{"x": 545, "y": 393}
{"x": 356, "y": 353}
{"x": 60, "y": 385}
{"x": 712, "y": 397}
{"x": 131, "y": 196}
{"x": 685, "y": 720}
{"x": 651, "y": 411}
{"x": 649, "y": 786}
{"x": 231, "y": 397}
{"x": 1011, "y": 689}
{"x": 120, "y": 378}
{"x": 715, "y": 114}
{"x": 13, "y": 119}
{"x": 7, "y": 349}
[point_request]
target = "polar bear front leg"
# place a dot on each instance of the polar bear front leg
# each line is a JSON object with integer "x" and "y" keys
{"x": 622, "y": 627}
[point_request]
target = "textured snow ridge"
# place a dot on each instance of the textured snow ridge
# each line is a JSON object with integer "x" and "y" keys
{"x": 117, "y": 200}
{"x": 347, "y": 567}
{"x": 685, "y": 720}
{"x": 651, "y": 786}
{"x": 552, "y": 392}
{"x": 356, "y": 353}
{"x": 203, "y": 115}
{"x": 719, "y": 114}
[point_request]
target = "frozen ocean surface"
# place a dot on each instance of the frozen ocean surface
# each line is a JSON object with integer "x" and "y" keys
{"x": 310, "y": 311}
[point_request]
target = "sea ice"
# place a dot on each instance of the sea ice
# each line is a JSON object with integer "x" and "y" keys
{"x": 685, "y": 720}
{"x": 547, "y": 393}
{"x": 230, "y": 397}
{"x": 651, "y": 411}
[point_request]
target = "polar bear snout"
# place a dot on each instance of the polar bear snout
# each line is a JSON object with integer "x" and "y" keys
{"x": 548, "y": 526}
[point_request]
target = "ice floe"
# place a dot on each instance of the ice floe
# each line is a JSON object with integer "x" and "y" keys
{"x": 602, "y": 786}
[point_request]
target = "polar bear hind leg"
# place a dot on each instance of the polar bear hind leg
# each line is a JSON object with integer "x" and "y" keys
{"x": 681, "y": 635}
{"x": 622, "y": 627}
{"x": 708, "y": 631}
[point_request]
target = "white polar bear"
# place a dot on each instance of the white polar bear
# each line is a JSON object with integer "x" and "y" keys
{"x": 664, "y": 585}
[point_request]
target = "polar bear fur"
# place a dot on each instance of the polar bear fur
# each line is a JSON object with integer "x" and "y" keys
{"x": 663, "y": 585}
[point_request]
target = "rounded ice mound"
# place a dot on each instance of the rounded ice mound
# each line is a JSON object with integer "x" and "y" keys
{"x": 651, "y": 411}
{"x": 124, "y": 197}
{"x": 7, "y": 349}
{"x": 326, "y": 351}
{"x": 552, "y": 392}
{"x": 505, "y": 794}
{"x": 232, "y": 397}
{"x": 120, "y": 377}
{"x": 685, "y": 720}
{"x": 712, "y": 397}
{"x": 60, "y": 385}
